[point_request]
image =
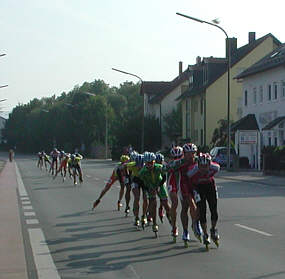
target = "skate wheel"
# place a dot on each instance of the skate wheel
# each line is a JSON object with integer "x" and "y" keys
{"x": 186, "y": 244}
{"x": 207, "y": 247}
{"x": 156, "y": 235}
{"x": 174, "y": 239}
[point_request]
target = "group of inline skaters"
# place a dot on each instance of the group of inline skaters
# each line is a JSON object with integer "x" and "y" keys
{"x": 61, "y": 162}
{"x": 187, "y": 176}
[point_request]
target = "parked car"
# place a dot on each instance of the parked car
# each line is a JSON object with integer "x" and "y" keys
{"x": 219, "y": 155}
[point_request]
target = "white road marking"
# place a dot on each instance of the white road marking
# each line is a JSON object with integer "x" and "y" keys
{"x": 21, "y": 187}
{"x": 45, "y": 266}
{"x": 25, "y": 198}
{"x": 28, "y": 213}
{"x": 27, "y": 207}
{"x": 32, "y": 221}
{"x": 26, "y": 202}
{"x": 253, "y": 230}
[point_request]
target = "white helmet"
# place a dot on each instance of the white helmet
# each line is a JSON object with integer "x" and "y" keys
{"x": 176, "y": 151}
{"x": 149, "y": 156}
{"x": 190, "y": 147}
{"x": 204, "y": 159}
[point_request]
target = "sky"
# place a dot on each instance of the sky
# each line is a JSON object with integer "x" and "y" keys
{"x": 52, "y": 46}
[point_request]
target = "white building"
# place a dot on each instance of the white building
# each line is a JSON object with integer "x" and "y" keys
{"x": 160, "y": 98}
{"x": 264, "y": 97}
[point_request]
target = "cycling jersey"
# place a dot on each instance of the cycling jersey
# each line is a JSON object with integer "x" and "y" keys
{"x": 75, "y": 162}
{"x": 198, "y": 178}
{"x": 153, "y": 180}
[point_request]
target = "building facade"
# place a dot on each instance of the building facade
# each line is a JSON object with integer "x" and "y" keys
{"x": 205, "y": 102}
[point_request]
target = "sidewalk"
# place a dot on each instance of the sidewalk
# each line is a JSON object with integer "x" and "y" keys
{"x": 252, "y": 177}
{"x": 12, "y": 254}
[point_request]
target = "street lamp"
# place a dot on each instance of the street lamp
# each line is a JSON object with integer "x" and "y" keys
{"x": 229, "y": 62}
{"x": 127, "y": 73}
{"x": 106, "y": 125}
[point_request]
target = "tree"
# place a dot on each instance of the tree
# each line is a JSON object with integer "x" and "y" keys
{"x": 220, "y": 134}
{"x": 173, "y": 123}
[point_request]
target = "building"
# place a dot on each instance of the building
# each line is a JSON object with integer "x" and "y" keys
{"x": 160, "y": 98}
{"x": 263, "y": 87}
{"x": 204, "y": 103}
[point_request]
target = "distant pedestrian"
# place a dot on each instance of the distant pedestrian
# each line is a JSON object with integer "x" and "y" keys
{"x": 11, "y": 155}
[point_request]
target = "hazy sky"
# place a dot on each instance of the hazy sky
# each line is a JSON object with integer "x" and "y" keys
{"x": 53, "y": 45}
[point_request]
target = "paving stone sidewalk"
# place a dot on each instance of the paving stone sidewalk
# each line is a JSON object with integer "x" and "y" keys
{"x": 252, "y": 177}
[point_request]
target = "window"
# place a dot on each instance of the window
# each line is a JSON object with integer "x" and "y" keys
{"x": 275, "y": 141}
{"x": 269, "y": 92}
{"x": 275, "y": 91}
{"x": 269, "y": 141}
{"x": 254, "y": 95}
{"x": 283, "y": 89}
{"x": 245, "y": 97}
{"x": 187, "y": 118}
{"x": 202, "y": 106}
{"x": 261, "y": 94}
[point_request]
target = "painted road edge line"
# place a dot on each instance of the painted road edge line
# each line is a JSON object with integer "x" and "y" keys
{"x": 45, "y": 266}
{"x": 253, "y": 230}
{"x": 21, "y": 187}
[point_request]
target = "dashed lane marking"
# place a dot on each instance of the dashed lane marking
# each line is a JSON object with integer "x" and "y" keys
{"x": 253, "y": 230}
{"x": 32, "y": 221}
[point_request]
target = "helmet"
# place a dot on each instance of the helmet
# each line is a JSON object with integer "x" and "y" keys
{"x": 133, "y": 155}
{"x": 204, "y": 159}
{"x": 189, "y": 147}
{"x": 176, "y": 151}
{"x": 139, "y": 160}
{"x": 72, "y": 156}
{"x": 67, "y": 155}
{"x": 124, "y": 158}
{"x": 159, "y": 158}
{"x": 149, "y": 156}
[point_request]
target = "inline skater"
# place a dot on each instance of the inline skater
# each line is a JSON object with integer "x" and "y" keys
{"x": 173, "y": 183}
{"x": 117, "y": 175}
{"x": 54, "y": 160}
{"x": 46, "y": 160}
{"x": 159, "y": 159}
{"x": 153, "y": 176}
{"x": 133, "y": 167}
{"x": 74, "y": 167}
{"x": 40, "y": 160}
{"x": 202, "y": 177}
{"x": 63, "y": 166}
{"x": 187, "y": 195}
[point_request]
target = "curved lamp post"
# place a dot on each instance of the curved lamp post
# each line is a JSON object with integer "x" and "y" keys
{"x": 127, "y": 73}
{"x": 228, "y": 93}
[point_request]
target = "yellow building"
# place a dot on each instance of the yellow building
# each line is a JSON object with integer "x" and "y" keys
{"x": 205, "y": 102}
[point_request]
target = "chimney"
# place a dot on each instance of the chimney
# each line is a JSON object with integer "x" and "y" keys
{"x": 251, "y": 37}
{"x": 180, "y": 68}
{"x": 232, "y": 44}
{"x": 198, "y": 60}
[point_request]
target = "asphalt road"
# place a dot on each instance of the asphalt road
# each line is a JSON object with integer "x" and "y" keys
{"x": 79, "y": 243}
